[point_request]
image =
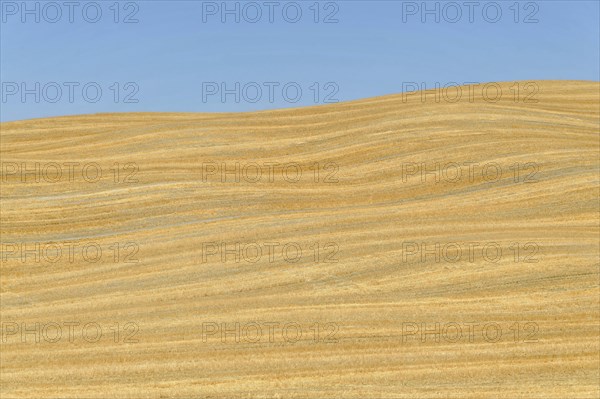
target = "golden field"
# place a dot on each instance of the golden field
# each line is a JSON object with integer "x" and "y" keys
{"x": 392, "y": 247}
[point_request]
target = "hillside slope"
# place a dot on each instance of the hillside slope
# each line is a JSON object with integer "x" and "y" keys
{"x": 393, "y": 247}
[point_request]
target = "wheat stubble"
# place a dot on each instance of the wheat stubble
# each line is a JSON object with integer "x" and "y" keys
{"x": 372, "y": 209}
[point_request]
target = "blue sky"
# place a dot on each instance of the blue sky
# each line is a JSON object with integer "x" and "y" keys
{"x": 180, "y": 55}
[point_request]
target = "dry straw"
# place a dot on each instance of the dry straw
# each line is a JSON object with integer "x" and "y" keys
{"x": 430, "y": 247}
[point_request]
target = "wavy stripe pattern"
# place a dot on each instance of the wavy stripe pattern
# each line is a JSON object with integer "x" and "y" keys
{"x": 379, "y": 214}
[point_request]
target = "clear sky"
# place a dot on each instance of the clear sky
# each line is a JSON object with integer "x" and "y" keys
{"x": 180, "y": 55}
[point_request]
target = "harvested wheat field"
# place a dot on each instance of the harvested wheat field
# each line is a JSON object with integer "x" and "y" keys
{"x": 406, "y": 246}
